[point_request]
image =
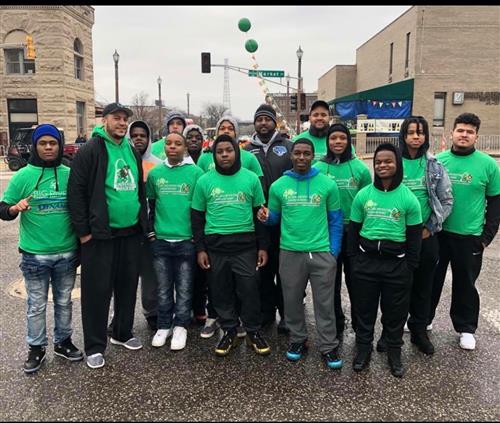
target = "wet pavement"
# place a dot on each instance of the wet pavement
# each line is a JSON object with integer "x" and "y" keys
{"x": 193, "y": 384}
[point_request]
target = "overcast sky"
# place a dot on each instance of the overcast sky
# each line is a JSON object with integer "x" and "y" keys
{"x": 167, "y": 41}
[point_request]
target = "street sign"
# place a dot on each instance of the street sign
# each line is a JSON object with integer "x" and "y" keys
{"x": 267, "y": 73}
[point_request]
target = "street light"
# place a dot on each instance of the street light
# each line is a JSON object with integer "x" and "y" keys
{"x": 116, "y": 57}
{"x": 288, "y": 98}
{"x": 159, "y": 106}
{"x": 300, "y": 53}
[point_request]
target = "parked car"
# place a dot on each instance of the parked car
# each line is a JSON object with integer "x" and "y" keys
{"x": 19, "y": 150}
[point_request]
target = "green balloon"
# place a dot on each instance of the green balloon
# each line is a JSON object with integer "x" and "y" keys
{"x": 244, "y": 24}
{"x": 251, "y": 46}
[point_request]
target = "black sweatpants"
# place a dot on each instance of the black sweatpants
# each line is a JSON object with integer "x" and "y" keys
{"x": 108, "y": 267}
{"x": 201, "y": 295}
{"x": 271, "y": 296}
{"x": 386, "y": 279}
{"x": 466, "y": 258}
{"x": 423, "y": 278}
{"x": 343, "y": 261}
{"x": 233, "y": 277}
{"x": 149, "y": 283}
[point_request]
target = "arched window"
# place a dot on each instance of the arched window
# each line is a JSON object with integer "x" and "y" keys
{"x": 78, "y": 52}
{"x": 15, "y": 49}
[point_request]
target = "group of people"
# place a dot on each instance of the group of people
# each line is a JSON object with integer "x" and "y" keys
{"x": 230, "y": 235}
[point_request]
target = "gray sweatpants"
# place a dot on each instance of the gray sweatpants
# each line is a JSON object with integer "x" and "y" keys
{"x": 296, "y": 268}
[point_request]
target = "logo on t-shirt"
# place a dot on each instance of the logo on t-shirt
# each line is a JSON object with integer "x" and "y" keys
{"x": 461, "y": 178}
{"x": 164, "y": 187}
{"x": 124, "y": 179}
{"x": 220, "y": 197}
{"x": 292, "y": 199}
{"x": 373, "y": 211}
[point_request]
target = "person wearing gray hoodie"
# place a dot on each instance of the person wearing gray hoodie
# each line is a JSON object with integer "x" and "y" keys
{"x": 174, "y": 122}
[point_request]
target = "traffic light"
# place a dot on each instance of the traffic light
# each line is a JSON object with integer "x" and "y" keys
{"x": 293, "y": 102}
{"x": 30, "y": 48}
{"x": 205, "y": 63}
{"x": 302, "y": 101}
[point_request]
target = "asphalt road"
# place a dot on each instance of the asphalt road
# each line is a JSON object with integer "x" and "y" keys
{"x": 157, "y": 384}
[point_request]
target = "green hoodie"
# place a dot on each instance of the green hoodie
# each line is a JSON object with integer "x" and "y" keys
{"x": 121, "y": 184}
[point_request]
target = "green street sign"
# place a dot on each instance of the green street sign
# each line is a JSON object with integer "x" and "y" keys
{"x": 267, "y": 73}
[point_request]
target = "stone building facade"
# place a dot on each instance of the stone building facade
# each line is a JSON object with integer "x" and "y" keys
{"x": 58, "y": 85}
{"x": 452, "y": 53}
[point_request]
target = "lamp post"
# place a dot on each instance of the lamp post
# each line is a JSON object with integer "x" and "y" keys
{"x": 300, "y": 53}
{"x": 288, "y": 97}
{"x": 159, "y": 106}
{"x": 116, "y": 57}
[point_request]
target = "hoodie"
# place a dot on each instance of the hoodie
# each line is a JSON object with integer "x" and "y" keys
{"x": 148, "y": 159}
{"x": 310, "y": 208}
{"x": 158, "y": 148}
{"x": 195, "y": 155}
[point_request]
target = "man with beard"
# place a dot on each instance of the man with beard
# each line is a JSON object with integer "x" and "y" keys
{"x": 273, "y": 153}
{"x": 319, "y": 120}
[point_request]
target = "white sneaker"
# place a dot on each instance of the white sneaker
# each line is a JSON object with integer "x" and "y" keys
{"x": 160, "y": 337}
{"x": 178, "y": 338}
{"x": 405, "y": 329}
{"x": 467, "y": 341}
{"x": 429, "y": 326}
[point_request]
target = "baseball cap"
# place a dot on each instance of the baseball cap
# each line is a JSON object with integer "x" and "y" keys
{"x": 116, "y": 107}
{"x": 319, "y": 103}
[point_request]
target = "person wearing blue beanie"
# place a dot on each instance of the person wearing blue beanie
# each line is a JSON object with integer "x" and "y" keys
{"x": 47, "y": 242}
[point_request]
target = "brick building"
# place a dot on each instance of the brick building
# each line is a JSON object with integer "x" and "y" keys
{"x": 58, "y": 85}
{"x": 444, "y": 60}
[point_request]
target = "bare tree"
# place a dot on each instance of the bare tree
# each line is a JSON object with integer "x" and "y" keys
{"x": 212, "y": 112}
{"x": 147, "y": 113}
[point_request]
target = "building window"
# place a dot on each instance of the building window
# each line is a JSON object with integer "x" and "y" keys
{"x": 407, "y": 56}
{"x": 16, "y": 64}
{"x": 80, "y": 117}
{"x": 391, "y": 51}
{"x": 78, "y": 52}
{"x": 439, "y": 108}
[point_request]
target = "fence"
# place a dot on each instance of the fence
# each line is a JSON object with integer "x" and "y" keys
{"x": 488, "y": 143}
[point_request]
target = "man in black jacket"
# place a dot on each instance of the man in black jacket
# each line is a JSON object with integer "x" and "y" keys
{"x": 107, "y": 204}
{"x": 273, "y": 153}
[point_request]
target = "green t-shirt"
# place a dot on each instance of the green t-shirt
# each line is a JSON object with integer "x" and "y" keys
{"x": 158, "y": 149}
{"x": 414, "y": 178}
{"x": 304, "y": 207}
{"x": 121, "y": 184}
{"x": 473, "y": 177}
{"x": 248, "y": 161}
{"x": 319, "y": 144}
{"x": 385, "y": 215}
{"x": 350, "y": 177}
{"x": 46, "y": 227}
{"x": 228, "y": 201}
{"x": 172, "y": 188}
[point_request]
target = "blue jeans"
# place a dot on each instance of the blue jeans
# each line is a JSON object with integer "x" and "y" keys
{"x": 174, "y": 265}
{"x": 39, "y": 271}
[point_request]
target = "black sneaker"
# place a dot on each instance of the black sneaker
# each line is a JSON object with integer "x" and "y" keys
{"x": 394, "y": 359}
{"x": 332, "y": 359}
{"x": 226, "y": 343}
{"x": 381, "y": 345}
{"x": 258, "y": 343}
{"x": 296, "y": 351}
{"x": 362, "y": 358}
{"x": 36, "y": 356}
{"x": 67, "y": 350}
{"x": 422, "y": 341}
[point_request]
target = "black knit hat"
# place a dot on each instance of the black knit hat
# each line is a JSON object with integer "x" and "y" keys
{"x": 265, "y": 110}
